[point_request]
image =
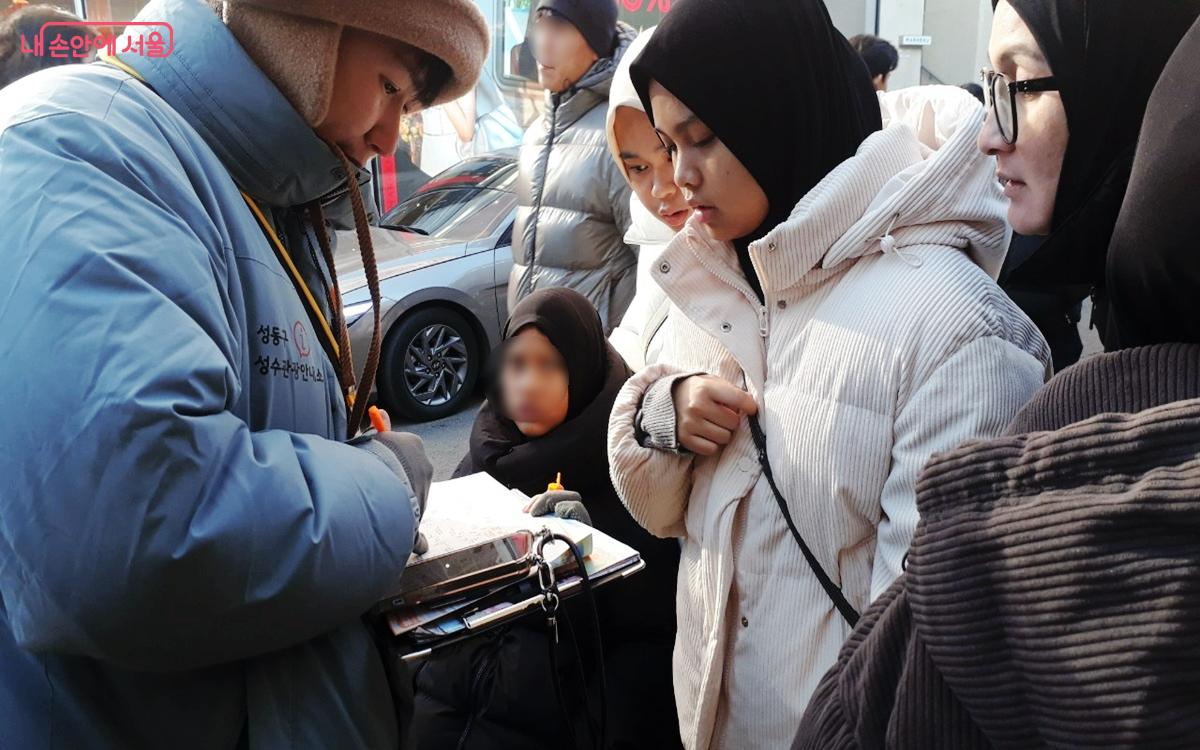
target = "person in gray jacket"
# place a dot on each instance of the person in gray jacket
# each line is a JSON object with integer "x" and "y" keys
{"x": 574, "y": 201}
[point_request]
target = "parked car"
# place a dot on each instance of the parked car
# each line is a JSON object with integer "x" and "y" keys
{"x": 443, "y": 256}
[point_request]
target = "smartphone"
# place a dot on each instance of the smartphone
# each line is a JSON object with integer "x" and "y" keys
{"x": 440, "y": 578}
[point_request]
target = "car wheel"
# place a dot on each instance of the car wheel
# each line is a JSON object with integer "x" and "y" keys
{"x": 430, "y": 364}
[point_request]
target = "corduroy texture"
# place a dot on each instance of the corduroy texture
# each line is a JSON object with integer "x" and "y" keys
{"x": 1051, "y": 599}
{"x": 864, "y": 364}
{"x": 296, "y": 41}
{"x": 1125, "y": 382}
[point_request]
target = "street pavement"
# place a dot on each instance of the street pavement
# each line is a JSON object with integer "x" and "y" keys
{"x": 446, "y": 439}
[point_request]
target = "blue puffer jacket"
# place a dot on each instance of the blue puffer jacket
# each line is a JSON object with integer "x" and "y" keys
{"x": 186, "y": 547}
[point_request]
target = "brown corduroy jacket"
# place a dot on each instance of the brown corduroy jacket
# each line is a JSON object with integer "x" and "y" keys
{"x": 1052, "y": 595}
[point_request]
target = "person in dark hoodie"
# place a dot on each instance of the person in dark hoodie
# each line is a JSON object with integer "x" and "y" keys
{"x": 1051, "y": 592}
{"x": 555, "y": 381}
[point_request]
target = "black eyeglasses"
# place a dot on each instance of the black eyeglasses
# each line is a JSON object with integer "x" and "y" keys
{"x": 1002, "y": 98}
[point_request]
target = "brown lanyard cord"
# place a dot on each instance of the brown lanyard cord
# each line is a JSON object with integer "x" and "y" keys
{"x": 366, "y": 249}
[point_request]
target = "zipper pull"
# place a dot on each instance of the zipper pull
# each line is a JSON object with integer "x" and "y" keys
{"x": 763, "y": 324}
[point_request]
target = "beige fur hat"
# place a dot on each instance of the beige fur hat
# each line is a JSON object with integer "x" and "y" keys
{"x": 295, "y": 42}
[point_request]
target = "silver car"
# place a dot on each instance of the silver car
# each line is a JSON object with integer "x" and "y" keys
{"x": 444, "y": 256}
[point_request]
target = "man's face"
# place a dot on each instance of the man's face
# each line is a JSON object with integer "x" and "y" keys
{"x": 377, "y": 80}
{"x": 563, "y": 55}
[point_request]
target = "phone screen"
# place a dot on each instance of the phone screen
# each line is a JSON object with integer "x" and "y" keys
{"x": 465, "y": 562}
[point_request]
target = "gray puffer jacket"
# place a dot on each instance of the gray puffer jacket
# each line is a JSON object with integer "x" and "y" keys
{"x": 574, "y": 201}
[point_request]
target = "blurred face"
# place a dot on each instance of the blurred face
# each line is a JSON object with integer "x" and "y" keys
{"x": 726, "y": 199}
{"x": 1030, "y": 169}
{"x": 533, "y": 383}
{"x": 648, "y": 168}
{"x": 563, "y": 55}
{"x": 377, "y": 80}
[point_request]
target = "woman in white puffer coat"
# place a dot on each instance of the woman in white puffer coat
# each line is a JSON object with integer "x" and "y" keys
{"x": 859, "y": 324}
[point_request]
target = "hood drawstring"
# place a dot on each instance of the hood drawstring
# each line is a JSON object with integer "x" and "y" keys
{"x": 353, "y": 390}
{"x": 887, "y": 243}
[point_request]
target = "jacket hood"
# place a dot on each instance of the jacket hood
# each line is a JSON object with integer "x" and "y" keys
{"x": 623, "y": 94}
{"x": 267, "y": 146}
{"x": 918, "y": 181}
{"x": 931, "y": 184}
{"x": 646, "y": 228}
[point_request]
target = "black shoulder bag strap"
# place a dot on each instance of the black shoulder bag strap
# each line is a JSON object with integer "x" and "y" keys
{"x": 835, "y": 593}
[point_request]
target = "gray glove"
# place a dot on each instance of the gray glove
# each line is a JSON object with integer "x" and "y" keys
{"x": 404, "y": 453}
{"x": 562, "y": 503}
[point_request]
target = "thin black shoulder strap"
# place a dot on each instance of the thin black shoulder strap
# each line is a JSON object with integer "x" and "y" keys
{"x": 835, "y": 594}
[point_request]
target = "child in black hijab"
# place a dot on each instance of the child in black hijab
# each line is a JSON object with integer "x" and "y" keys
{"x": 554, "y": 381}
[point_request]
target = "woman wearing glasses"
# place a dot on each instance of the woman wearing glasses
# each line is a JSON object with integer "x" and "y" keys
{"x": 1067, "y": 92}
{"x": 1051, "y": 589}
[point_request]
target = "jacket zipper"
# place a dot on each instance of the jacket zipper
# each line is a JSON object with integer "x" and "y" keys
{"x": 555, "y": 100}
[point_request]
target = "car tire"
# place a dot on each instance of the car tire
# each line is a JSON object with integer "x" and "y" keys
{"x": 430, "y": 364}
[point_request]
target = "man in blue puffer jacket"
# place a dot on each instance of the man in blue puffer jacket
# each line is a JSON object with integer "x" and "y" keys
{"x": 187, "y": 542}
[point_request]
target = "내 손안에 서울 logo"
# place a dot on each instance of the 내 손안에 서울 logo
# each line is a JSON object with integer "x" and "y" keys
{"x": 143, "y": 38}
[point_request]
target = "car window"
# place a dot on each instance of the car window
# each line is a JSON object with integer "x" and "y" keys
{"x": 456, "y": 214}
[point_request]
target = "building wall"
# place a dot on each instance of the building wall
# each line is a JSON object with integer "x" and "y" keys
{"x": 960, "y": 30}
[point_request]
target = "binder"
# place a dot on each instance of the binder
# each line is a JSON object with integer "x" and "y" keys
{"x": 475, "y": 509}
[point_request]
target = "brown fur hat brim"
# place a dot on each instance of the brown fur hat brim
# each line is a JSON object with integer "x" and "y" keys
{"x": 295, "y": 42}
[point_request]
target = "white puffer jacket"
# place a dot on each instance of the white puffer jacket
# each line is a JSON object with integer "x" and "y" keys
{"x": 884, "y": 339}
{"x": 641, "y": 337}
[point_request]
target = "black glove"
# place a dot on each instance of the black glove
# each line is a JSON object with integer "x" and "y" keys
{"x": 562, "y": 503}
{"x": 408, "y": 451}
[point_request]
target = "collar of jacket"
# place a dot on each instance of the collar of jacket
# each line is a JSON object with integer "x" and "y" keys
{"x": 268, "y": 148}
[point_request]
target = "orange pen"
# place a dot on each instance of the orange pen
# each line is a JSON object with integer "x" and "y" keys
{"x": 377, "y": 419}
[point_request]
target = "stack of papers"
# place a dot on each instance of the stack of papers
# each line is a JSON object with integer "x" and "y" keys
{"x": 476, "y": 509}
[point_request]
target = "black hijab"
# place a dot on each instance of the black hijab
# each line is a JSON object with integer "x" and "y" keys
{"x": 1107, "y": 55}
{"x": 577, "y": 447}
{"x": 1153, "y": 262}
{"x": 795, "y": 101}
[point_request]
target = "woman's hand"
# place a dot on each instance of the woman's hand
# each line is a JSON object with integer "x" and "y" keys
{"x": 708, "y": 411}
